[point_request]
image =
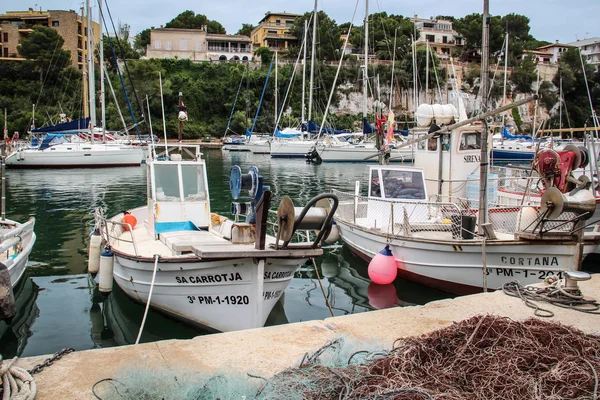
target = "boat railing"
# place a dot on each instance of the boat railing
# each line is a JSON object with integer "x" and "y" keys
{"x": 396, "y": 218}
{"x": 114, "y": 233}
{"x": 12, "y": 234}
{"x": 164, "y": 151}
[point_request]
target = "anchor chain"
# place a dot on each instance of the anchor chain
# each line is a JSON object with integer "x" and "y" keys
{"x": 49, "y": 361}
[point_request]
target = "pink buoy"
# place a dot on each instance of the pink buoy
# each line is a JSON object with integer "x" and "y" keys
{"x": 383, "y": 268}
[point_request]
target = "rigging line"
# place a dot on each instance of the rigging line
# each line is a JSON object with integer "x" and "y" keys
{"x": 289, "y": 85}
{"x": 233, "y": 107}
{"x": 47, "y": 72}
{"x": 121, "y": 77}
{"x": 141, "y": 109}
{"x": 261, "y": 97}
{"x": 337, "y": 72}
{"x": 435, "y": 73}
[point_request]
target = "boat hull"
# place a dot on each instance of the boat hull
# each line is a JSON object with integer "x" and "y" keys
{"x": 222, "y": 295}
{"x": 361, "y": 154}
{"x": 457, "y": 266}
{"x": 291, "y": 148}
{"x": 68, "y": 156}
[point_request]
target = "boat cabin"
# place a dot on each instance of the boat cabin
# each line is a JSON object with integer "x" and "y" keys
{"x": 178, "y": 196}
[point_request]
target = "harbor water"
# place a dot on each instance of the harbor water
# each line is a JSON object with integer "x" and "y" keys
{"x": 58, "y": 308}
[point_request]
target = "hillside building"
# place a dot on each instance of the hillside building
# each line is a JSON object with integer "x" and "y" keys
{"x": 440, "y": 35}
{"x": 198, "y": 45}
{"x": 589, "y": 48}
{"x": 273, "y": 31}
{"x": 17, "y": 25}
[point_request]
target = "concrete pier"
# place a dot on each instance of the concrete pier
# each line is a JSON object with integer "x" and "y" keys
{"x": 266, "y": 351}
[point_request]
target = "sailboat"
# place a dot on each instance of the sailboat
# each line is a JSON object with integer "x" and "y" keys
{"x": 73, "y": 144}
{"x": 332, "y": 149}
{"x": 436, "y": 222}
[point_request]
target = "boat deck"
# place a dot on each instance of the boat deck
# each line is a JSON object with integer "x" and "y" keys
{"x": 200, "y": 244}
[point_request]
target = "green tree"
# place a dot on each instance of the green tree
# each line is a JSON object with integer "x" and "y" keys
{"x": 122, "y": 49}
{"x": 471, "y": 28}
{"x": 246, "y": 30}
{"x": 44, "y": 47}
{"x": 190, "y": 20}
{"x": 328, "y": 35}
{"x": 142, "y": 40}
{"x": 575, "y": 86}
{"x": 524, "y": 75}
{"x": 265, "y": 55}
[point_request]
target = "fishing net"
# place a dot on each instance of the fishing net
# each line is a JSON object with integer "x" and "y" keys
{"x": 484, "y": 357}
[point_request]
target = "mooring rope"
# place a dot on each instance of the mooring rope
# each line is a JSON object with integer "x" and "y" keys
{"x": 322, "y": 288}
{"x": 149, "y": 298}
{"x": 553, "y": 294}
{"x": 17, "y": 382}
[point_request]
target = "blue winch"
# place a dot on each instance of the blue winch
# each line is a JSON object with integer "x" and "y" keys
{"x": 253, "y": 183}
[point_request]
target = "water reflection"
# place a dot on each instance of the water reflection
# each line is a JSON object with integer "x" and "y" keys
{"x": 69, "y": 313}
{"x": 14, "y": 336}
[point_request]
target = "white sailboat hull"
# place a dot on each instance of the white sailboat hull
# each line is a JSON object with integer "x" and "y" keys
{"x": 455, "y": 266}
{"x": 77, "y": 155}
{"x": 291, "y": 148}
{"x": 361, "y": 154}
{"x": 224, "y": 295}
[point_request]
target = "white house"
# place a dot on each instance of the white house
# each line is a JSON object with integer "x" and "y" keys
{"x": 590, "y": 48}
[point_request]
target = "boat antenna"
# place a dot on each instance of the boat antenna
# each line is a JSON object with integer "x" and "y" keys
{"x": 162, "y": 105}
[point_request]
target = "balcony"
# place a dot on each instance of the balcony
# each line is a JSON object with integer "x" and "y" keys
{"x": 231, "y": 49}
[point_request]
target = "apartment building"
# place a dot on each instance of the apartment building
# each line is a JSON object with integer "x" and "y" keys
{"x": 198, "y": 45}
{"x": 440, "y": 35}
{"x": 273, "y": 31}
{"x": 589, "y": 48}
{"x": 17, "y": 25}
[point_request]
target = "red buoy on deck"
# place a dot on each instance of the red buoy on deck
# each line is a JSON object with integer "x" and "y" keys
{"x": 129, "y": 219}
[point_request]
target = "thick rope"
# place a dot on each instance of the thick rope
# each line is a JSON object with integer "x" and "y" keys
{"x": 148, "y": 302}
{"x": 17, "y": 383}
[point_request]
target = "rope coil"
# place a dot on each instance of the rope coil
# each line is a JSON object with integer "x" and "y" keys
{"x": 17, "y": 382}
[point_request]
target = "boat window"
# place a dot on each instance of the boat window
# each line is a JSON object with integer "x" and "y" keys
{"x": 407, "y": 185}
{"x": 192, "y": 177}
{"x": 375, "y": 189}
{"x": 432, "y": 144}
{"x": 167, "y": 184}
{"x": 470, "y": 141}
{"x": 421, "y": 145}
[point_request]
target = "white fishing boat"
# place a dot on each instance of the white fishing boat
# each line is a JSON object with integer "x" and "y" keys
{"x": 16, "y": 242}
{"x": 202, "y": 267}
{"x": 429, "y": 218}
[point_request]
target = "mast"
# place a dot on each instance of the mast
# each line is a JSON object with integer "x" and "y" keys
{"x": 415, "y": 86}
{"x": 162, "y": 106}
{"x": 312, "y": 62}
{"x": 247, "y": 96}
{"x": 505, "y": 73}
{"x": 427, "y": 71}
{"x": 366, "y": 72}
{"x": 391, "y": 104}
{"x": 102, "y": 93}
{"x": 180, "y": 130}
{"x": 276, "y": 108}
{"x": 483, "y": 173}
{"x": 91, "y": 84}
{"x": 86, "y": 111}
{"x": 304, "y": 74}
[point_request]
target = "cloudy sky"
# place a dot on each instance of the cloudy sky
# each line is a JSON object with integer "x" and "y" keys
{"x": 551, "y": 20}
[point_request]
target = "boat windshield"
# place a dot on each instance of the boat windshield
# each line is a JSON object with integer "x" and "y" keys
{"x": 192, "y": 177}
{"x": 407, "y": 185}
{"x": 166, "y": 183}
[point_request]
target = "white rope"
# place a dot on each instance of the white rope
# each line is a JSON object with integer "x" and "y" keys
{"x": 17, "y": 383}
{"x": 149, "y": 298}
